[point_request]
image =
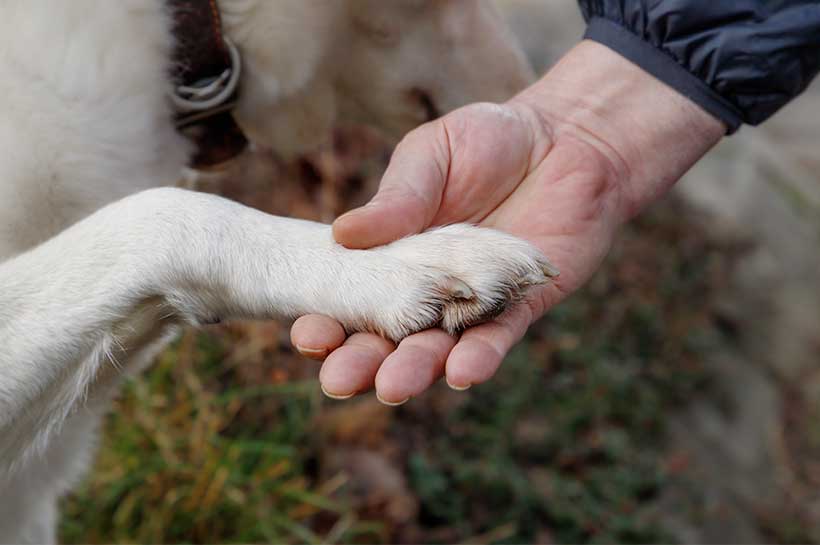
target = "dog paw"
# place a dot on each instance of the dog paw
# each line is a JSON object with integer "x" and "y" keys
{"x": 458, "y": 276}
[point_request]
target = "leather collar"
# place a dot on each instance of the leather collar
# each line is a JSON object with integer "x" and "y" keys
{"x": 206, "y": 75}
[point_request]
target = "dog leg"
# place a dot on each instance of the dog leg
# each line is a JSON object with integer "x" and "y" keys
{"x": 66, "y": 305}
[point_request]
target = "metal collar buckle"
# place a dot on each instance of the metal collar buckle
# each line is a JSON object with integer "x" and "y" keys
{"x": 209, "y": 96}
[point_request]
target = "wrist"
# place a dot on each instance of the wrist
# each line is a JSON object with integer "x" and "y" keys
{"x": 647, "y": 133}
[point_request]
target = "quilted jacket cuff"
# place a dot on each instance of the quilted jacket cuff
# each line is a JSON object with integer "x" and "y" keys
{"x": 663, "y": 67}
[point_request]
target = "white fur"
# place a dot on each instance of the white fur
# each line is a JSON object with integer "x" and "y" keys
{"x": 99, "y": 263}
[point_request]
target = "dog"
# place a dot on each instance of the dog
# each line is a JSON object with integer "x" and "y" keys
{"x": 102, "y": 258}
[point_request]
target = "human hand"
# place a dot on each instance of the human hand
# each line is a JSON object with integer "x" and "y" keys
{"x": 559, "y": 169}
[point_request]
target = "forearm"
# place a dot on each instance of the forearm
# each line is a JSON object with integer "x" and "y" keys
{"x": 647, "y": 132}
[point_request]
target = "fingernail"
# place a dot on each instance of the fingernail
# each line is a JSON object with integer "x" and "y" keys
{"x": 458, "y": 388}
{"x": 347, "y": 214}
{"x": 355, "y": 211}
{"x": 459, "y": 289}
{"x": 339, "y": 397}
{"x": 312, "y": 352}
{"x": 391, "y": 403}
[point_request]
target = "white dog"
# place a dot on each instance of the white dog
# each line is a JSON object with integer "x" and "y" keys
{"x": 99, "y": 263}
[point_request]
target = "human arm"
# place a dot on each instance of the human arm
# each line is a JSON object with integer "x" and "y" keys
{"x": 557, "y": 167}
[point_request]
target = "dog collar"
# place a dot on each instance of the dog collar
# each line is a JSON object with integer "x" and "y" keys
{"x": 206, "y": 74}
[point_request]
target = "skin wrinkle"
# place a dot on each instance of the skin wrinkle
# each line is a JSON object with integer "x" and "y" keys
{"x": 416, "y": 351}
{"x": 657, "y": 132}
{"x": 615, "y": 163}
{"x": 355, "y": 341}
{"x": 405, "y": 191}
{"x": 372, "y": 353}
{"x": 480, "y": 217}
{"x": 618, "y": 169}
{"x": 426, "y": 352}
{"x": 449, "y": 152}
{"x": 619, "y": 165}
{"x": 544, "y": 126}
{"x": 440, "y": 152}
{"x": 497, "y": 352}
{"x": 607, "y": 188}
{"x": 400, "y": 189}
{"x": 447, "y": 156}
{"x": 511, "y": 325}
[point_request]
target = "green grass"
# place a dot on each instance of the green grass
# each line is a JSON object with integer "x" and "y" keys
{"x": 186, "y": 458}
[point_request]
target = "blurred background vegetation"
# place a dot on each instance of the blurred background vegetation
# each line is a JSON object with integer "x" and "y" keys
{"x": 229, "y": 439}
{"x": 677, "y": 397}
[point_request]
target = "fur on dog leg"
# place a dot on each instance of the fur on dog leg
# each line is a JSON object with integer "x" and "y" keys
{"x": 97, "y": 267}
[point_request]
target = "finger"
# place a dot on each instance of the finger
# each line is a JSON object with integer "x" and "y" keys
{"x": 482, "y": 348}
{"x": 414, "y": 366}
{"x": 351, "y": 368}
{"x": 315, "y": 336}
{"x": 409, "y": 194}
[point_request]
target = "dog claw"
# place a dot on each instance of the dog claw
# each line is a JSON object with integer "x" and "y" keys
{"x": 550, "y": 270}
{"x": 459, "y": 289}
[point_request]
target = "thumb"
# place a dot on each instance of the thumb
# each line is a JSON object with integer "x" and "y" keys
{"x": 409, "y": 194}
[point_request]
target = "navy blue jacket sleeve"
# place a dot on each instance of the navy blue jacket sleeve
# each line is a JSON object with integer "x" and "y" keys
{"x": 740, "y": 60}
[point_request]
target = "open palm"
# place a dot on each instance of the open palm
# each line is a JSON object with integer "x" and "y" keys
{"x": 497, "y": 166}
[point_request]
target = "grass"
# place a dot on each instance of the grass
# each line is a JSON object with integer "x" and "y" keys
{"x": 184, "y": 461}
{"x": 227, "y": 438}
